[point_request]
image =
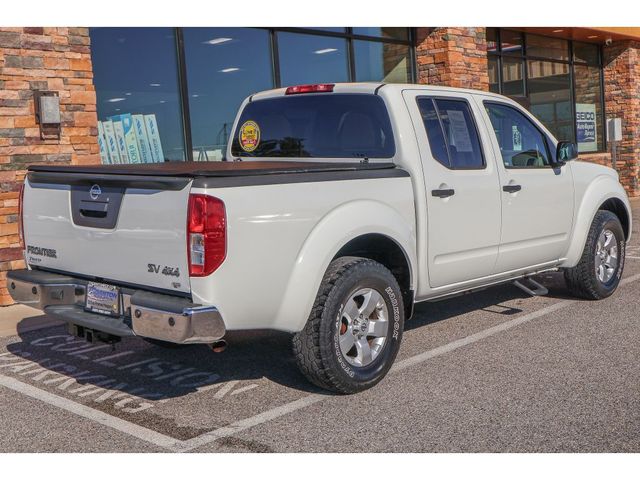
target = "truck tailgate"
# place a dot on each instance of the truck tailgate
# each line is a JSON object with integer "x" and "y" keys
{"x": 119, "y": 228}
{"x": 128, "y": 223}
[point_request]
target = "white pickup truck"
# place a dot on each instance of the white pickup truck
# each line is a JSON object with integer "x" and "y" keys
{"x": 341, "y": 206}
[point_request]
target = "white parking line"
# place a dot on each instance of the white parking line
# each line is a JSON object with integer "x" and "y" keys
{"x": 175, "y": 445}
{"x": 89, "y": 413}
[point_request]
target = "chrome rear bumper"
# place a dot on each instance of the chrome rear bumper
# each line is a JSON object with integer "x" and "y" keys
{"x": 145, "y": 314}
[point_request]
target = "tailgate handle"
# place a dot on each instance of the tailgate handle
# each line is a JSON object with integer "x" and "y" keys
{"x": 93, "y": 209}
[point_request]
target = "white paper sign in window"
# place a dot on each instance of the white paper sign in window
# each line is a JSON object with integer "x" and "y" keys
{"x": 459, "y": 131}
{"x": 516, "y": 138}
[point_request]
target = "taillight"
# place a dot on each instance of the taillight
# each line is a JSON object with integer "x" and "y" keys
{"x": 319, "y": 87}
{"x": 206, "y": 234}
{"x": 20, "y": 219}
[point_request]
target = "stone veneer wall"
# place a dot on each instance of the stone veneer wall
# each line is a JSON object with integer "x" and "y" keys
{"x": 37, "y": 58}
{"x": 453, "y": 56}
{"x": 622, "y": 99}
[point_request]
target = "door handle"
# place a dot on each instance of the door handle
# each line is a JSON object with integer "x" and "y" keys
{"x": 512, "y": 188}
{"x": 443, "y": 193}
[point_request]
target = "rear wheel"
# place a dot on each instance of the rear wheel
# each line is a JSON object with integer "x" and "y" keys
{"x": 354, "y": 331}
{"x": 598, "y": 273}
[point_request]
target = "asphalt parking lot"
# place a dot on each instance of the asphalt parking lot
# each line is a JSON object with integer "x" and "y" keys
{"x": 492, "y": 371}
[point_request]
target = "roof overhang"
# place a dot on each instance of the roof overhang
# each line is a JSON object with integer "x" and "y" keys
{"x": 587, "y": 34}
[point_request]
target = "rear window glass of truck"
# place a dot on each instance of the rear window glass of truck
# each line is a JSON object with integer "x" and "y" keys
{"x": 315, "y": 126}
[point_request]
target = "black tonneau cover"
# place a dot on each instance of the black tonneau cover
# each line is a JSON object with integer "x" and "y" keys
{"x": 176, "y": 175}
{"x": 212, "y": 169}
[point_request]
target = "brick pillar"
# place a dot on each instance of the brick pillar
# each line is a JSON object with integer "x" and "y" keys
{"x": 36, "y": 58}
{"x": 453, "y": 56}
{"x": 622, "y": 99}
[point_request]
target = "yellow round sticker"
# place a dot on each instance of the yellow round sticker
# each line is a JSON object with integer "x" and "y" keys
{"x": 249, "y": 136}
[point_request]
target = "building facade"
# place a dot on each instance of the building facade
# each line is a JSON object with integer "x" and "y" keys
{"x": 181, "y": 87}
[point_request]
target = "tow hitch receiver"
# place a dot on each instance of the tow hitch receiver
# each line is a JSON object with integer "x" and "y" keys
{"x": 92, "y": 336}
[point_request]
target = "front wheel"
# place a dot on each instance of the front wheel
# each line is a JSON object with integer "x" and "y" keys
{"x": 354, "y": 331}
{"x": 598, "y": 273}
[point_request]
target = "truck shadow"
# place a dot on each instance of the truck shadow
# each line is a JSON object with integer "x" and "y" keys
{"x": 489, "y": 300}
{"x": 53, "y": 359}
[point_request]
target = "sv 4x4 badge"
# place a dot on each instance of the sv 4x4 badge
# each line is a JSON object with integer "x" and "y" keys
{"x": 169, "y": 271}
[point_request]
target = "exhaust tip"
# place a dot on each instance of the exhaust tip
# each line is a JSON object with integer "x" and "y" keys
{"x": 218, "y": 346}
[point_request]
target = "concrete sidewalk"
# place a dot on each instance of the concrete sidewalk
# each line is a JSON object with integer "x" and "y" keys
{"x": 20, "y": 318}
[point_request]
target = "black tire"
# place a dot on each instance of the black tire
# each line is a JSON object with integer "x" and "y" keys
{"x": 317, "y": 348}
{"x": 582, "y": 279}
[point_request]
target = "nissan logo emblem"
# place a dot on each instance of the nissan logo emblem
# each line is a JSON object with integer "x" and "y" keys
{"x": 95, "y": 192}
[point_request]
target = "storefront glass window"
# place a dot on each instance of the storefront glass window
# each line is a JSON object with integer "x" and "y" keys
{"x": 547, "y": 47}
{"x": 513, "y": 77}
{"x": 562, "y": 85}
{"x": 183, "y": 86}
{"x": 588, "y": 108}
{"x": 397, "y": 33}
{"x": 494, "y": 81}
{"x": 311, "y": 59}
{"x": 550, "y": 97}
{"x": 138, "y": 101}
{"x": 492, "y": 40}
{"x": 585, "y": 53}
{"x": 329, "y": 29}
{"x": 511, "y": 42}
{"x": 224, "y": 66}
{"x": 386, "y": 62}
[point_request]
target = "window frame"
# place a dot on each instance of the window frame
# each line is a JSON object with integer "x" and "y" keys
{"x": 499, "y": 55}
{"x": 434, "y": 99}
{"x": 545, "y": 137}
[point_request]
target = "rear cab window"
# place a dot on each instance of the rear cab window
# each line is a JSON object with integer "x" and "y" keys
{"x": 335, "y": 125}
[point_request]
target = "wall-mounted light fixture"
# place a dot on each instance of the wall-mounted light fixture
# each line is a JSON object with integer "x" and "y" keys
{"x": 47, "y": 111}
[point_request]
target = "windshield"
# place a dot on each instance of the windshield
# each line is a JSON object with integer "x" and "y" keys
{"x": 315, "y": 125}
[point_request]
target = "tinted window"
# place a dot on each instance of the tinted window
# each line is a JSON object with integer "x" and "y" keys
{"x": 452, "y": 133}
{"x": 434, "y": 131}
{"x": 399, "y": 33}
{"x": 550, "y": 97}
{"x": 311, "y": 59}
{"x": 585, "y": 52}
{"x": 328, "y": 125}
{"x": 494, "y": 79}
{"x": 589, "y": 112}
{"x": 224, "y": 66}
{"x": 522, "y": 145}
{"x": 547, "y": 47}
{"x": 386, "y": 62}
{"x": 136, "y": 79}
{"x": 511, "y": 42}
{"x": 513, "y": 76}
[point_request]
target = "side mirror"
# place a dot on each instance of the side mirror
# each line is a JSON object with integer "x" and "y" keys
{"x": 565, "y": 152}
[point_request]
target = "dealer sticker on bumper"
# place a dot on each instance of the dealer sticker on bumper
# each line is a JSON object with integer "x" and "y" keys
{"x": 102, "y": 298}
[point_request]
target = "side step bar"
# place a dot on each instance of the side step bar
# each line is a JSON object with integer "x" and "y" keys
{"x": 532, "y": 287}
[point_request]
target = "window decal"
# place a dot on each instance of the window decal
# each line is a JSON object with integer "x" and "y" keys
{"x": 249, "y": 136}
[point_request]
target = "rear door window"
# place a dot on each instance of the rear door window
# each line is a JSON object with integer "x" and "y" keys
{"x": 315, "y": 125}
{"x": 452, "y": 133}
